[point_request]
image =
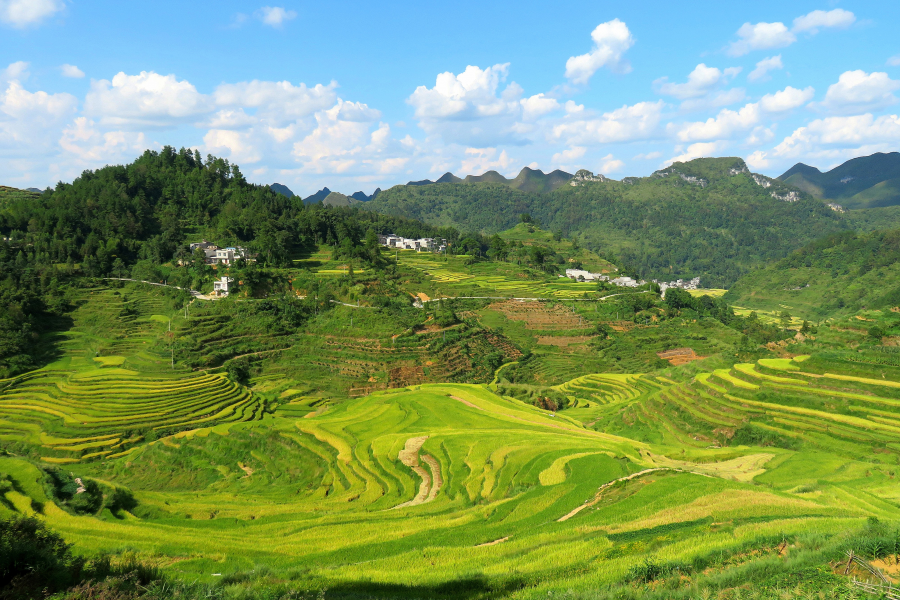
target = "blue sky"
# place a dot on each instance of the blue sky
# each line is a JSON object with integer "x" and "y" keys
{"x": 354, "y": 95}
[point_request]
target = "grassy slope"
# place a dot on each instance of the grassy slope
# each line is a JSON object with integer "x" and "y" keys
{"x": 307, "y": 492}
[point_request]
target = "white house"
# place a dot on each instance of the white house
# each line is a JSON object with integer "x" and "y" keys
{"x": 223, "y": 286}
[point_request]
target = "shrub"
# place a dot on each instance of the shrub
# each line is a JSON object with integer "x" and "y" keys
{"x": 32, "y": 559}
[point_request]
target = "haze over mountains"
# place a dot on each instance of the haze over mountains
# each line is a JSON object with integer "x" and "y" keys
{"x": 864, "y": 182}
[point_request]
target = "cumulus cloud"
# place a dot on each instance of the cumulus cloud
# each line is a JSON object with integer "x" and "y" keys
{"x": 71, "y": 71}
{"x": 700, "y": 82}
{"x": 144, "y": 100}
{"x": 858, "y": 91}
{"x": 610, "y": 164}
{"x": 837, "y": 139}
{"x": 479, "y": 160}
{"x": 24, "y": 13}
{"x": 729, "y": 123}
{"x": 474, "y": 97}
{"x": 765, "y": 36}
{"x": 568, "y": 155}
{"x": 714, "y": 100}
{"x": 278, "y": 101}
{"x": 537, "y": 106}
{"x": 820, "y": 19}
{"x": 611, "y": 40}
{"x": 787, "y": 99}
{"x": 89, "y": 146}
{"x": 629, "y": 123}
{"x": 761, "y": 36}
{"x": 761, "y": 72}
{"x": 699, "y": 150}
{"x": 30, "y": 120}
{"x": 17, "y": 71}
{"x": 275, "y": 16}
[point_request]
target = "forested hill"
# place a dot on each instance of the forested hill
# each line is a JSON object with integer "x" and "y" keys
{"x": 707, "y": 217}
{"x": 125, "y": 221}
{"x": 151, "y": 208}
{"x": 841, "y": 273}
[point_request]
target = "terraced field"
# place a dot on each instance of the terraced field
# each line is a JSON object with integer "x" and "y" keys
{"x": 106, "y": 411}
{"x": 453, "y": 279}
{"x": 406, "y": 489}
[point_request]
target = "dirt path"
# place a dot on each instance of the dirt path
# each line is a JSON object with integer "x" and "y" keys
{"x": 494, "y": 543}
{"x": 467, "y": 403}
{"x": 431, "y": 482}
{"x": 245, "y": 469}
{"x": 605, "y": 486}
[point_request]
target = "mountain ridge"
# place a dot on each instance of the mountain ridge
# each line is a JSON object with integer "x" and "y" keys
{"x": 864, "y": 182}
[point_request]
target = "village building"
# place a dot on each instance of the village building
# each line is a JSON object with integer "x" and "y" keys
{"x": 222, "y": 287}
{"x": 420, "y": 244}
{"x": 220, "y": 256}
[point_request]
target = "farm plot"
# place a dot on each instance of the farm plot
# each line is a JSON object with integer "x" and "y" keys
{"x": 453, "y": 473}
{"x": 106, "y": 411}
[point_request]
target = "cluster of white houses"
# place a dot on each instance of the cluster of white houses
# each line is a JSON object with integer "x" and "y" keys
{"x": 402, "y": 243}
{"x": 582, "y": 275}
{"x": 220, "y": 256}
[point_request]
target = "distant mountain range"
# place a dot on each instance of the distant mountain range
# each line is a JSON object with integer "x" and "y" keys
{"x": 528, "y": 180}
{"x": 865, "y": 182}
{"x": 282, "y": 189}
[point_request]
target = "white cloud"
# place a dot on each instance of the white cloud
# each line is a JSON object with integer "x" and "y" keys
{"x": 648, "y": 156}
{"x": 894, "y": 61}
{"x": 275, "y": 16}
{"x": 820, "y": 19}
{"x": 701, "y": 81}
{"x": 237, "y": 146}
{"x": 715, "y": 100}
{"x": 30, "y": 121}
{"x": 858, "y": 91}
{"x": 144, "y": 100}
{"x": 91, "y": 147}
{"x": 761, "y": 72}
{"x": 836, "y": 139}
{"x": 492, "y": 116}
{"x": 22, "y": 13}
{"x": 610, "y": 164}
{"x": 787, "y": 99}
{"x": 71, "y": 71}
{"x": 17, "y": 71}
{"x": 639, "y": 121}
{"x": 537, "y": 106}
{"x": 611, "y": 40}
{"x": 729, "y": 123}
{"x": 761, "y": 36}
{"x": 568, "y": 155}
{"x": 764, "y": 36}
{"x": 277, "y": 101}
{"x": 469, "y": 95}
{"x": 699, "y": 150}
{"x": 479, "y": 160}
{"x": 758, "y": 160}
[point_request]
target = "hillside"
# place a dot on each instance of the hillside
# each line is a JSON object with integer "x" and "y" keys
{"x": 864, "y": 182}
{"x": 282, "y": 189}
{"x": 708, "y": 217}
{"x": 839, "y": 274}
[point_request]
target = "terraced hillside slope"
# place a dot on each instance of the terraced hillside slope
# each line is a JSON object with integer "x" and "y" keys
{"x": 453, "y": 490}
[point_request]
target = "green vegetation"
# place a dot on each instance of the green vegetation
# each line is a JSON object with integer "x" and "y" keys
{"x": 357, "y": 423}
{"x": 717, "y": 225}
{"x": 864, "y": 182}
{"x": 836, "y": 275}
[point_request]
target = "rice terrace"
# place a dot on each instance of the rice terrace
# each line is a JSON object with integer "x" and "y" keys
{"x": 610, "y": 340}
